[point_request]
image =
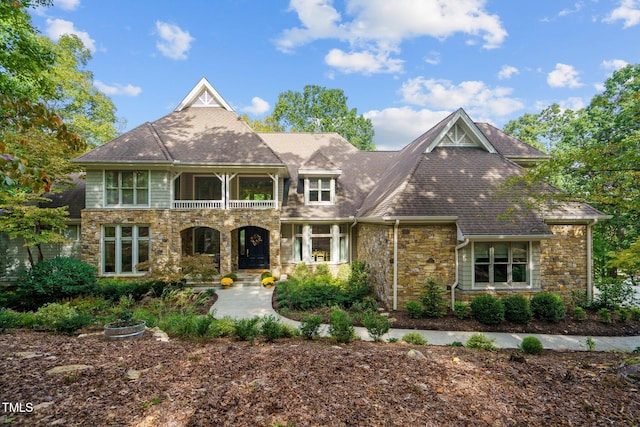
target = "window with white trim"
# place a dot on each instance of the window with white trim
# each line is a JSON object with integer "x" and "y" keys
{"x": 319, "y": 191}
{"x": 501, "y": 262}
{"x": 130, "y": 188}
{"x": 124, "y": 247}
{"x": 320, "y": 243}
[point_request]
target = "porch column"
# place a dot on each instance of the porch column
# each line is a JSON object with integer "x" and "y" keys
{"x": 306, "y": 243}
{"x": 335, "y": 243}
{"x": 225, "y": 252}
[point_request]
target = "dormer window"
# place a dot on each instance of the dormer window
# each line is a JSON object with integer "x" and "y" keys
{"x": 319, "y": 190}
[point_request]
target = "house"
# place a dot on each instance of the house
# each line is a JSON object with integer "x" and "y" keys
{"x": 200, "y": 181}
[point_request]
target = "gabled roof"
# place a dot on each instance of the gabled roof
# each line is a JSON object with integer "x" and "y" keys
{"x": 203, "y": 95}
{"x": 319, "y": 164}
{"x": 510, "y": 147}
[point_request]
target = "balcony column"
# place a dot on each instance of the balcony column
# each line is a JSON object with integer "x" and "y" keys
{"x": 335, "y": 242}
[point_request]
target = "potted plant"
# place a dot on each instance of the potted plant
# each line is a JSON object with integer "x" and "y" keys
{"x": 125, "y": 328}
{"x": 225, "y": 282}
{"x": 268, "y": 281}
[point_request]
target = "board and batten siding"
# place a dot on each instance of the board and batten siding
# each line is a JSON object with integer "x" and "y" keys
{"x": 159, "y": 190}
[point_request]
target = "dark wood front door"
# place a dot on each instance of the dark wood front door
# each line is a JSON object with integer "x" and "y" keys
{"x": 253, "y": 248}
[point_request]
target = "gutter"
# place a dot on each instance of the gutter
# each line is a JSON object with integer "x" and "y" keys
{"x": 395, "y": 265}
{"x": 355, "y": 221}
{"x": 590, "y": 259}
{"x": 455, "y": 284}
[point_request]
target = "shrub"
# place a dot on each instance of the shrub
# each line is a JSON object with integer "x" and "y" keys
{"x": 55, "y": 279}
{"x": 623, "y": 314}
{"x": 579, "y": 314}
{"x": 201, "y": 326}
{"x": 231, "y": 276}
{"x": 613, "y": 293}
{"x": 414, "y": 309}
{"x": 433, "y": 300}
{"x": 344, "y": 272}
{"x": 288, "y": 331}
{"x": 376, "y": 324}
{"x": 198, "y": 267}
{"x": 487, "y": 309}
{"x": 301, "y": 272}
{"x": 69, "y": 325}
{"x": 635, "y": 313}
{"x": 310, "y": 326}
{"x": 358, "y": 286}
{"x": 247, "y": 329}
{"x": 604, "y": 315}
{"x": 224, "y": 327}
{"x": 517, "y": 309}
{"x": 49, "y": 314}
{"x": 414, "y": 338}
{"x": 461, "y": 310}
{"x": 310, "y": 294}
{"x": 9, "y": 319}
{"x": 531, "y": 345}
{"x": 366, "y": 304}
{"x": 271, "y": 328}
{"x": 113, "y": 289}
{"x": 341, "y": 326}
{"x": 481, "y": 342}
{"x": 323, "y": 271}
{"x": 548, "y": 307}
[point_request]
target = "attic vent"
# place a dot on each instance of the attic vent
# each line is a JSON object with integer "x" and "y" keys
{"x": 205, "y": 100}
{"x": 458, "y": 137}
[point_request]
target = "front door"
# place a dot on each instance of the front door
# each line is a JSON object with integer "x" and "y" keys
{"x": 253, "y": 248}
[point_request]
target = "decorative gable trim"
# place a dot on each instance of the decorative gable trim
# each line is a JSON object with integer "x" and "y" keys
{"x": 461, "y": 131}
{"x": 203, "y": 95}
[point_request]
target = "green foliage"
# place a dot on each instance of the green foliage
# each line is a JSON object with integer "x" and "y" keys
{"x": 199, "y": 267}
{"x": 69, "y": 325}
{"x": 366, "y": 304}
{"x": 358, "y": 285}
{"x": 579, "y": 314}
{"x": 341, "y": 326}
{"x": 414, "y": 309}
{"x": 310, "y": 326}
{"x": 376, "y": 324}
{"x": 344, "y": 272}
{"x": 55, "y": 279}
{"x": 309, "y": 294}
{"x": 247, "y": 329}
{"x": 635, "y": 313}
{"x": 271, "y": 328}
{"x": 113, "y": 289}
{"x": 414, "y": 338}
{"x": 614, "y": 293}
{"x": 531, "y": 345}
{"x": 487, "y": 309}
{"x": 517, "y": 309}
{"x": 461, "y": 310}
{"x": 322, "y": 270}
{"x": 9, "y": 319}
{"x": 455, "y": 344}
{"x": 50, "y": 314}
{"x": 548, "y": 307}
{"x": 623, "y": 314}
{"x": 604, "y": 315}
{"x": 318, "y": 109}
{"x": 433, "y": 300}
{"x": 301, "y": 272}
{"x": 591, "y": 344}
{"x": 224, "y": 327}
{"x": 481, "y": 342}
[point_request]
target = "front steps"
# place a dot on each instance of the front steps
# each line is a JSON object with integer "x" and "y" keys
{"x": 244, "y": 278}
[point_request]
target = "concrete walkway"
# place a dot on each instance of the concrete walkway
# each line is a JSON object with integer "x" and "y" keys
{"x": 243, "y": 302}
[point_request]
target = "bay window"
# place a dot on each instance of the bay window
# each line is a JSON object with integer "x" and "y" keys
{"x": 318, "y": 243}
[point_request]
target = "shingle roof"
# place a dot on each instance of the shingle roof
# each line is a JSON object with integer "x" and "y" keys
{"x": 509, "y": 146}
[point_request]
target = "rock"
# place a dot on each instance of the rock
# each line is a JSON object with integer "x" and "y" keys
{"x": 630, "y": 370}
{"x": 258, "y": 382}
{"x": 42, "y": 405}
{"x": 132, "y": 374}
{"x": 415, "y": 354}
{"x": 68, "y": 368}
{"x": 159, "y": 334}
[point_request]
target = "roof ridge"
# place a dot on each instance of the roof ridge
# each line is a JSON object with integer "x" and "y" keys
{"x": 165, "y": 151}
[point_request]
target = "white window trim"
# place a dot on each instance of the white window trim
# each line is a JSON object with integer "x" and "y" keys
{"x": 118, "y": 249}
{"x": 306, "y": 237}
{"x": 332, "y": 191}
{"x": 121, "y": 205}
{"x": 503, "y": 285}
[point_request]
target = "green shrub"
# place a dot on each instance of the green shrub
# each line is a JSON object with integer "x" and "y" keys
{"x": 414, "y": 309}
{"x": 147, "y": 315}
{"x": 270, "y": 328}
{"x": 531, "y": 345}
{"x": 9, "y": 319}
{"x": 414, "y": 338}
{"x": 288, "y": 331}
{"x": 461, "y": 310}
{"x": 49, "y": 314}
{"x": 224, "y": 327}
{"x": 455, "y": 344}
{"x": 323, "y": 271}
{"x": 310, "y": 294}
{"x": 367, "y": 304}
{"x": 548, "y": 307}
{"x": 433, "y": 300}
{"x": 53, "y": 280}
{"x": 247, "y": 329}
{"x": 358, "y": 286}
{"x": 113, "y": 289}
{"x": 301, "y": 272}
{"x": 481, "y": 342}
{"x": 310, "y": 325}
{"x": 487, "y": 309}
{"x": 341, "y": 326}
{"x": 376, "y": 324}
{"x": 344, "y": 272}
{"x": 579, "y": 314}
{"x": 199, "y": 267}
{"x": 613, "y": 293}
{"x": 604, "y": 315}
{"x": 265, "y": 275}
{"x": 231, "y": 276}
{"x": 623, "y": 314}
{"x": 517, "y": 309}
{"x": 579, "y": 299}
{"x": 635, "y": 313}
{"x": 69, "y": 325}
{"x": 201, "y": 326}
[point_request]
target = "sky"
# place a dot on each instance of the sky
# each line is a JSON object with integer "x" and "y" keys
{"x": 404, "y": 64}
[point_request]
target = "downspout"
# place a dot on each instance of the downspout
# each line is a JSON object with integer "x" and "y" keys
{"x": 351, "y": 248}
{"x": 455, "y": 284}
{"x": 395, "y": 265}
{"x": 590, "y": 259}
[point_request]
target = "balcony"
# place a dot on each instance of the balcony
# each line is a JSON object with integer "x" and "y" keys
{"x": 220, "y": 204}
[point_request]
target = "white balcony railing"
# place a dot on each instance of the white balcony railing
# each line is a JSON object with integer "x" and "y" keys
{"x": 198, "y": 204}
{"x": 253, "y": 204}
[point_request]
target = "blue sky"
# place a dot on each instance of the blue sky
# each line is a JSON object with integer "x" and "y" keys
{"x": 405, "y": 64}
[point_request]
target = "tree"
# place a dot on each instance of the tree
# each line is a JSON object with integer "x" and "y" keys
{"x": 268, "y": 124}
{"x": 318, "y": 109}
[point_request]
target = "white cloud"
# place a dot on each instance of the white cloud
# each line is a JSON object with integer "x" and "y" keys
{"x": 59, "y": 27}
{"x": 396, "y": 127}
{"x": 117, "y": 89}
{"x": 377, "y": 27}
{"x": 67, "y": 4}
{"x": 507, "y": 71}
{"x": 628, "y": 11}
{"x": 258, "y": 106}
{"x": 576, "y": 8}
{"x": 564, "y": 76}
{"x": 572, "y": 103}
{"x": 433, "y": 58}
{"x": 474, "y": 96}
{"x": 614, "y": 64}
{"x": 174, "y": 42}
{"x": 363, "y": 62}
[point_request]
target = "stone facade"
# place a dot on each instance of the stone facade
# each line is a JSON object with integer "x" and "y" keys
{"x": 166, "y": 226}
{"x": 375, "y": 248}
{"x": 563, "y": 260}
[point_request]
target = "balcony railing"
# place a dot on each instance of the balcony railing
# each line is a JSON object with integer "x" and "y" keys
{"x": 219, "y": 204}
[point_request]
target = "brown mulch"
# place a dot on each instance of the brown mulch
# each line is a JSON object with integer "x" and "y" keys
{"x": 301, "y": 383}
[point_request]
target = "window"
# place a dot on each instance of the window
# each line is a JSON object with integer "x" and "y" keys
{"x": 72, "y": 232}
{"x": 124, "y": 247}
{"x": 319, "y": 191}
{"x": 127, "y": 187}
{"x": 207, "y": 188}
{"x": 501, "y": 262}
{"x": 320, "y": 243}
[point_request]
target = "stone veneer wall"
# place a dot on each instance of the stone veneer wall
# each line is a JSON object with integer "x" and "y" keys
{"x": 563, "y": 260}
{"x": 424, "y": 252}
{"x": 166, "y": 226}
